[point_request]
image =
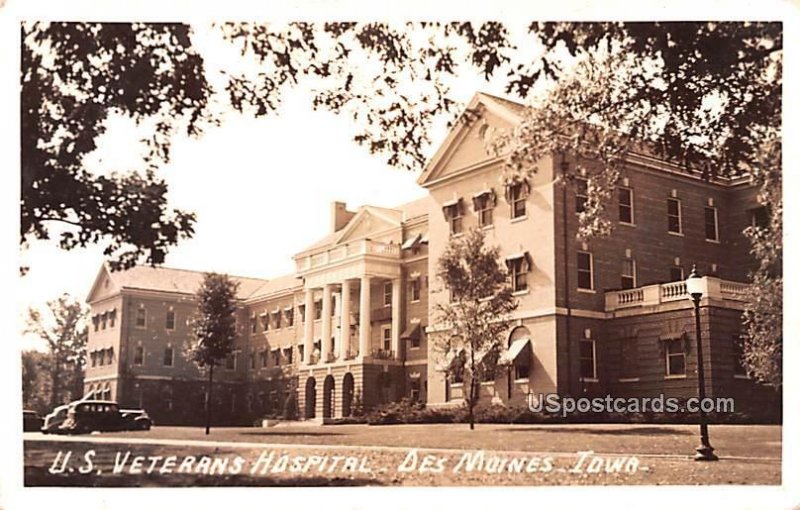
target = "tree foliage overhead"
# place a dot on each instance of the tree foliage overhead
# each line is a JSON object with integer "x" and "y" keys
{"x": 74, "y": 76}
{"x": 477, "y": 316}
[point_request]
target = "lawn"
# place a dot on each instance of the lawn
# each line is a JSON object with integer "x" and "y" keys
{"x": 456, "y": 455}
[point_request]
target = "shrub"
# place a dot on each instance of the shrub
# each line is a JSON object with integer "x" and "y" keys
{"x": 290, "y": 410}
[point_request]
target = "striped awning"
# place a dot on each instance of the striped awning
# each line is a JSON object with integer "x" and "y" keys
{"x": 517, "y": 347}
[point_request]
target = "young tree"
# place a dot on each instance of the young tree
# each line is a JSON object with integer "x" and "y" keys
{"x": 64, "y": 329}
{"x": 477, "y": 315}
{"x": 214, "y": 327}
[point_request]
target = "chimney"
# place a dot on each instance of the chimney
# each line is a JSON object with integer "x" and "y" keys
{"x": 340, "y": 216}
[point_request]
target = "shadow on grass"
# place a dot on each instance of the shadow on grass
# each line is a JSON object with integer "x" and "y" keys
{"x": 40, "y": 477}
{"x": 636, "y": 431}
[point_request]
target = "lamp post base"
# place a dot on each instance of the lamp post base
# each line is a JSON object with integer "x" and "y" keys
{"x": 705, "y": 453}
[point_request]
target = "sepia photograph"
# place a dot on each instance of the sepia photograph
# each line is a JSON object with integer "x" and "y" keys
{"x": 347, "y": 250}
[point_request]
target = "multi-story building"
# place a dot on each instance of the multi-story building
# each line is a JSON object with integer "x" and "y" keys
{"x": 352, "y": 326}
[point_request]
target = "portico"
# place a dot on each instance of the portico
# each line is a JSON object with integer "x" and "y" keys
{"x": 344, "y": 329}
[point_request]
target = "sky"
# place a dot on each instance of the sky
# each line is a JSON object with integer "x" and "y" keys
{"x": 262, "y": 188}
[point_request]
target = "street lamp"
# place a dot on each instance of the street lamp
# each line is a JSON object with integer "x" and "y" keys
{"x": 694, "y": 287}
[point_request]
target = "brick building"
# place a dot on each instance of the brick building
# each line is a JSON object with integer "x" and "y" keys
{"x": 351, "y": 326}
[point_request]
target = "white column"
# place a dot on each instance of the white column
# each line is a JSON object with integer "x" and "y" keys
{"x": 308, "y": 326}
{"x": 396, "y": 318}
{"x": 344, "y": 324}
{"x": 326, "y": 322}
{"x": 336, "y": 331}
{"x": 364, "y": 319}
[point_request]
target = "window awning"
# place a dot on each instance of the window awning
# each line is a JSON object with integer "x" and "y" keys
{"x": 522, "y": 255}
{"x": 424, "y": 238}
{"x": 411, "y": 242}
{"x": 447, "y": 363}
{"x": 412, "y": 331}
{"x": 517, "y": 347}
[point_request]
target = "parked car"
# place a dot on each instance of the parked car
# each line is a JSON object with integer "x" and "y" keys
{"x": 31, "y": 421}
{"x": 92, "y": 415}
{"x": 136, "y": 419}
{"x": 53, "y": 421}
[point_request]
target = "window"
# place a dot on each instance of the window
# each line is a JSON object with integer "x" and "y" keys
{"x": 138, "y": 356}
{"x": 168, "y": 356}
{"x": 302, "y": 311}
{"x": 518, "y": 267}
{"x": 112, "y": 318}
{"x": 276, "y": 357}
{"x": 517, "y": 196}
{"x": 628, "y": 279}
{"x": 96, "y": 322}
{"x": 484, "y": 204}
{"x": 277, "y": 318}
{"x": 289, "y": 317}
{"x": 252, "y": 360}
{"x": 413, "y": 289}
{"x": 453, "y": 213}
{"x": 104, "y": 320}
{"x": 263, "y": 356}
{"x": 254, "y": 323}
{"x": 230, "y": 361}
{"x": 674, "y": 216}
{"x": 712, "y": 232}
{"x": 676, "y": 273}
{"x": 416, "y": 339}
{"x": 626, "y": 205}
{"x": 386, "y": 334}
{"x": 387, "y": 294}
{"x": 170, "y": 322}
{"x": 676, "y": 357}
{"x": 629, "y": 358}
{"x": 287, "y": 354}
{"x": 587, "y": 359}
{"x": 581, "y": 194}
{"x": 317, "y": 310}
{"x": 413, "y": 389}
{"x": 759, "y": 217}
{"x": 93, "y": 358}
{"x": 300, "y": 352}
{"x": 109, "y": 356}
{"x": 585, "y": 280}
{"x": 141, "y": 318}
{"x": 739, "y": 368}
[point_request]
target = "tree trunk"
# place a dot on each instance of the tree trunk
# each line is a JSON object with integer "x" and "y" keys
{"x": 55, "y": 382}
{"x": 472, "y": 399}
{"x": 208, "y": 398}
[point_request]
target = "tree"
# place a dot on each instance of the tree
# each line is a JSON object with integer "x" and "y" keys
{"x": 36, "y": 387}
{"x": 76, "y": 75}
{"x": 64, "y": 330}
{"x": 478, "y": 314}
{"x": 214, "y": 328}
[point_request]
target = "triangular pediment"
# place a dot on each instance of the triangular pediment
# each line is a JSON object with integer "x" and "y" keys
{"x": 465, "y": 145}
{"x": 368, "y": 223}
{"x": 104, "y": 285}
